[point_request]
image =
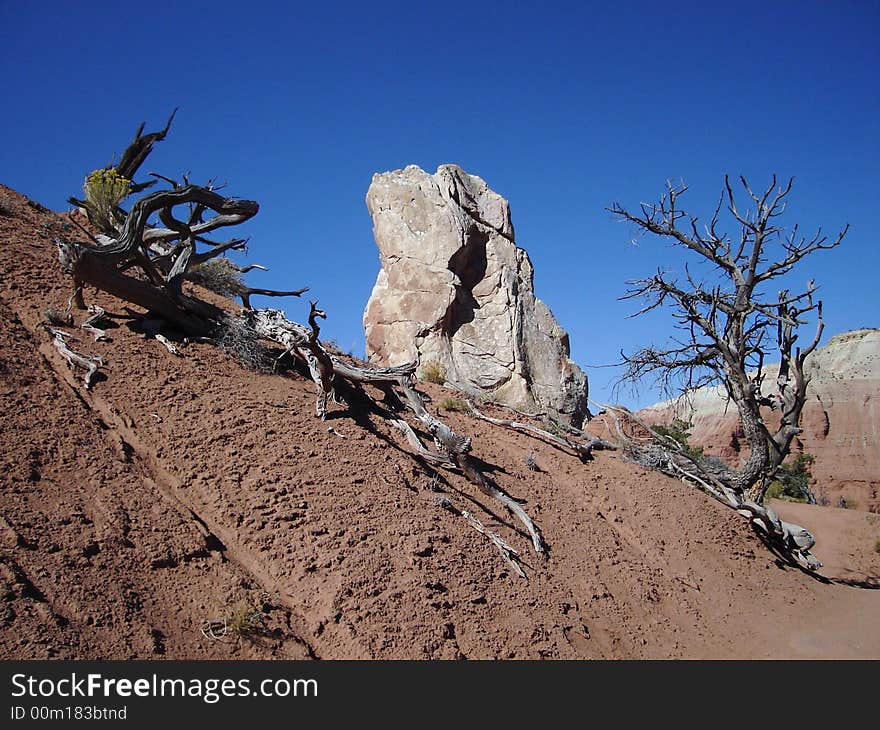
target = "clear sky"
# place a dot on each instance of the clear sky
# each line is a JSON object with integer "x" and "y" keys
{"x": 563, "y": 108}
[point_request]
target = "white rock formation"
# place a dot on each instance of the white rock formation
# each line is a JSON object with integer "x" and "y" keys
{"x": 454, "y": 288}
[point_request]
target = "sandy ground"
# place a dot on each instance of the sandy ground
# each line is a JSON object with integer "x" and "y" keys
{"x": 183, "y": 490}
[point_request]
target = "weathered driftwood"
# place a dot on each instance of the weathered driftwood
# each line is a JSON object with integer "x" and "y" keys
{"x": 302, "y": 343}
{"x": 96, "y": 315}
{"x": 508, "y": 553}
{"x": 584, "y": 451}
{"x": 192, "y": 316}
{"x": 248, "y": 292}
{"x": 452, "y": 448}
{"x": 511, "y": 556}
{"x": 166, "y": 251}
{"x": 728, "y": 318}
{"x": 667, "y": 455}
{"x": 90, "y": 364}
{"x": 152, "y": 328}
{"x": 432, "y": 457}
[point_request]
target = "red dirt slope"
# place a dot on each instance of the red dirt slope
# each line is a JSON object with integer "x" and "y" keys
{"x": 178, "y": 489}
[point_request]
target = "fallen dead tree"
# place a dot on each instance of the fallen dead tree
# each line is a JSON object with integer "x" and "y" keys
{"x": 665, "y": 454}
{"x": 583, "y": 450}
{"x": 145, "y": 254}
{"x": 453, "y": 450}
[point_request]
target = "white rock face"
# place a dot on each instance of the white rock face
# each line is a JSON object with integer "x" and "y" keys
{"x": 454, "y": 288}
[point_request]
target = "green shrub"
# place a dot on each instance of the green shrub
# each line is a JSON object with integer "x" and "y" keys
{"x": 877, "y": 547}
{"x": 774, "y": 491}
{"x": 679, "y": 431}
{"x": 453, "y": 404}
{"x": 245, "y": 620}
{"x": 792, "y": 481}
{"x": 434, "y": 372}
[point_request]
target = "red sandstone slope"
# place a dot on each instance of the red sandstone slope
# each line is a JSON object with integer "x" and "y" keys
{"x": 176, "y": 489}
{"x": 841, "y": 419}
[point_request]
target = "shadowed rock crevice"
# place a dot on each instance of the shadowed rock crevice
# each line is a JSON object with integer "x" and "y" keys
{"x": 469, "y": 265}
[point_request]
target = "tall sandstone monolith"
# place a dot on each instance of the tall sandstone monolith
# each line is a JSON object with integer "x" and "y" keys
{"x": 455, "y": 290}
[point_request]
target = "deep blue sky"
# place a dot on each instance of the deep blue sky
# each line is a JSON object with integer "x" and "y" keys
{"x": 563, "y": 108}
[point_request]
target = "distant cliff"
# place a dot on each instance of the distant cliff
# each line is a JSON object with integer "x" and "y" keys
{"x": 841, "y": 420}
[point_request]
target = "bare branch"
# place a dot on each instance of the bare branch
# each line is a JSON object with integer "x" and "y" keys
{"x": 726, "y": 318}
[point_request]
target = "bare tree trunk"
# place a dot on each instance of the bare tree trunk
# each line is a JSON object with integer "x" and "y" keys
{"x": 750, "y": 478}
{"x": 666, "y": 455}
{"x": 192, "y": 316}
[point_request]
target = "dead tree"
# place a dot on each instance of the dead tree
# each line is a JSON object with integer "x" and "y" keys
{"x": 729, "y": 320}
{"x": 144, "y": 255}
{"x": 669, "y": 456}
{"x": 581, "y": 449}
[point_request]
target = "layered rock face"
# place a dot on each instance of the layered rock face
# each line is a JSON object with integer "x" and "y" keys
{"x": 455, "y": 289}
{"x": 841, "y": 419}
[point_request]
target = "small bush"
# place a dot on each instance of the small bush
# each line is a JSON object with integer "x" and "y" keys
{"x": 6, "y": 208}
{"x": 531, "y": 463}
{"x": 453, "y": 404}
{"x": 774, "y": 491}
{"x": 332, "y": 345}
{"x": 679, "y": 431}
{"x": 845, "y": 503}
{"x": 238, "y": 339}
{"x": 105, "y": 190}
{"x": 792, "y": 481}
{"x": 244, "y": 621}
{"x": 56, "y": 319}
{"x": 219, "y": 276}
{"x": 877, "y": 547}
{"x": 434, "y": 372}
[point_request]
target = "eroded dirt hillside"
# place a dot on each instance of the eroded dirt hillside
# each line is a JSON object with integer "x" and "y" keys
{"x": 179, "y": 490}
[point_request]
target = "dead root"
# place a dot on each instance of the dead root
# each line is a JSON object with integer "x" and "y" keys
{"x": 90, "y": 363}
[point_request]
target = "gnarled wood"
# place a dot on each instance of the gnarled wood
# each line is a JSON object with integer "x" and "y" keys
{"x": 727, "y": 318}
{"x": 168, "y": 253}
{"x": 96, "y": 314}
{"x": 74, "y": 359}
{"x": 584, "y": 451}
{"x": 454, "y": 448}
{"x": 668, "y": 456}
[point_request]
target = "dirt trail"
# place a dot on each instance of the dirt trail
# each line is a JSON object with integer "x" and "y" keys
{"x": 179, "y": 489}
